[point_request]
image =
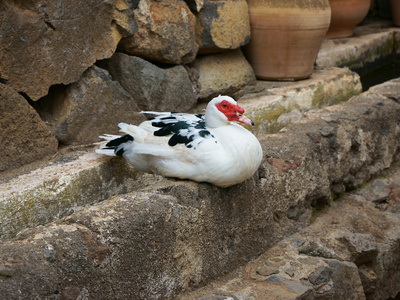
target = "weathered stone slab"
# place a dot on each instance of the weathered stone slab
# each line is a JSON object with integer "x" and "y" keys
{"x": 151, "y": 87}
{"x": 370, "y": 46}
{"x": 24, "y": 137}
{"x": 222, "y": 25}
{"x": 166, "y": 32}
{"x": 60, "y": 188}
{"x": 389, "y": 89}
{"x": 79, "y": 113}
{"x": 282, "y": 103}
{"x": 46, "y": 42}
{"x": 223, "y": 73}
{"x": 173, "y": 235}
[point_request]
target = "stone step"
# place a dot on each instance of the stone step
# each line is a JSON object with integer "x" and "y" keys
{"x": 59, "y": 188}
{"x": 372, "y": 44}
{"x": 160, "y": 239}
{"x": 282, "y": 103}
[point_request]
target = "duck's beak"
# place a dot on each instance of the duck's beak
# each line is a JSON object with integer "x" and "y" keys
{"x": 243, "y": 119}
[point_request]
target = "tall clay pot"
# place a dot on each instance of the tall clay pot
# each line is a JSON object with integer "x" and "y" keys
{"x": 286, "y": 36}
{"x": 346, "y": 15}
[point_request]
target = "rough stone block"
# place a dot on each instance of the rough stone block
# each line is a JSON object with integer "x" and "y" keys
{"x": 222, "y": 25}
{"x": 151, "y": 87}
{"x": 223, "y": 73}
{"x": 295, "y": 277}
{"x": 79, "y": 113}
{"x": 363, "y": 247}
{"x": 166, "y": 32}
{"x": 389, "y": 89}
{"x": 24, "y": 137}
{"x": 46, "y": 42}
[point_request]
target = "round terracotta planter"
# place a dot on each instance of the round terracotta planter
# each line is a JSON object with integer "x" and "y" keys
{"x": 285, "y": 37}
{"x": 346, "y": 15}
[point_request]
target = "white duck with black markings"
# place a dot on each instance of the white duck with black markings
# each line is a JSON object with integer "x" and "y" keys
{"x": 206, "y": 147}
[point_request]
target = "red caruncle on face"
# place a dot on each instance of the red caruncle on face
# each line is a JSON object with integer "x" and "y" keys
{"x": 231, "y": 111}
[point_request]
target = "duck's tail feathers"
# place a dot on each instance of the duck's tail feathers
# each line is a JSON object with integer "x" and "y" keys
{"x": 114, "y": 145}
{"x": 135, "y": 131}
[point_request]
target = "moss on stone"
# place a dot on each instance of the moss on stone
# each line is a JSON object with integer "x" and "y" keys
{"x": 344, "y": 62}
{"x": 385, "y": 49}
{"x": 268, "y": 116}
{"x": 46, "y": 203}
{"x": 322, "y": 98}
{"x": 322, "y": 95}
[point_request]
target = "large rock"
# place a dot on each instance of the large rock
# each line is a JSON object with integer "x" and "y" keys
{"x": 24, "y": 138}
{"x": 151, "y": 87}
{"x": 222, "y": 25}
{"x": 223, "y": 73}
{"x": 166, "y": 32}
{"x": 47, "y": 42}
{"x": 80, "y": 112}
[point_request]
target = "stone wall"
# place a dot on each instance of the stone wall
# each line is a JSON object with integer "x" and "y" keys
{"x": 86, "y": 65}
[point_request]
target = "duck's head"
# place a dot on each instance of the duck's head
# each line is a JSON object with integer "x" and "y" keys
{"x": 223, "y": 109}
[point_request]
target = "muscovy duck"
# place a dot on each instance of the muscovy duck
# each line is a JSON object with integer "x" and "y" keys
{"x": 206, "y": 147}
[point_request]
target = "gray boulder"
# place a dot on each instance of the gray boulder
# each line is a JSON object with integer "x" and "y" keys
{"x": 151, "y": 87}
{"x": 24, "y": 137}
{"x": 80, "y": 112}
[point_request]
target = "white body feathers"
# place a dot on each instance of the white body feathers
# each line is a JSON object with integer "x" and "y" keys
{"x": 186, "y": 147}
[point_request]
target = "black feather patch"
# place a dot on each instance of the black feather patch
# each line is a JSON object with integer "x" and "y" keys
{"x": 183, "y": 128}
{"x": 116, "y": 144}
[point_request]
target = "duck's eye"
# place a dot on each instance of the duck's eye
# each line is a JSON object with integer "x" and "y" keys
{"x": 224, "y": 105}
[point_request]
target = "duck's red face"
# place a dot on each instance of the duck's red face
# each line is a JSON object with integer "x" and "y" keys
{"x": 233, "y": 112}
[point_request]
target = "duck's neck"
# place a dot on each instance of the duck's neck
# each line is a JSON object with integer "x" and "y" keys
{"x": 213, "y": 121}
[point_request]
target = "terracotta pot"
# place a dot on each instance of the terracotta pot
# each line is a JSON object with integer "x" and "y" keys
{"x": 395, "y": 7}
{"x": 285, "y": 37}
{"x": 346, "y": 15}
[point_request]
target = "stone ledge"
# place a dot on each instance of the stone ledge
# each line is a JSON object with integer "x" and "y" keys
{"x": 371, "y": 44}
{"x": 58, "y": 189}
{"x": 160, "y": 240}
{"x": 281, "y": 103}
